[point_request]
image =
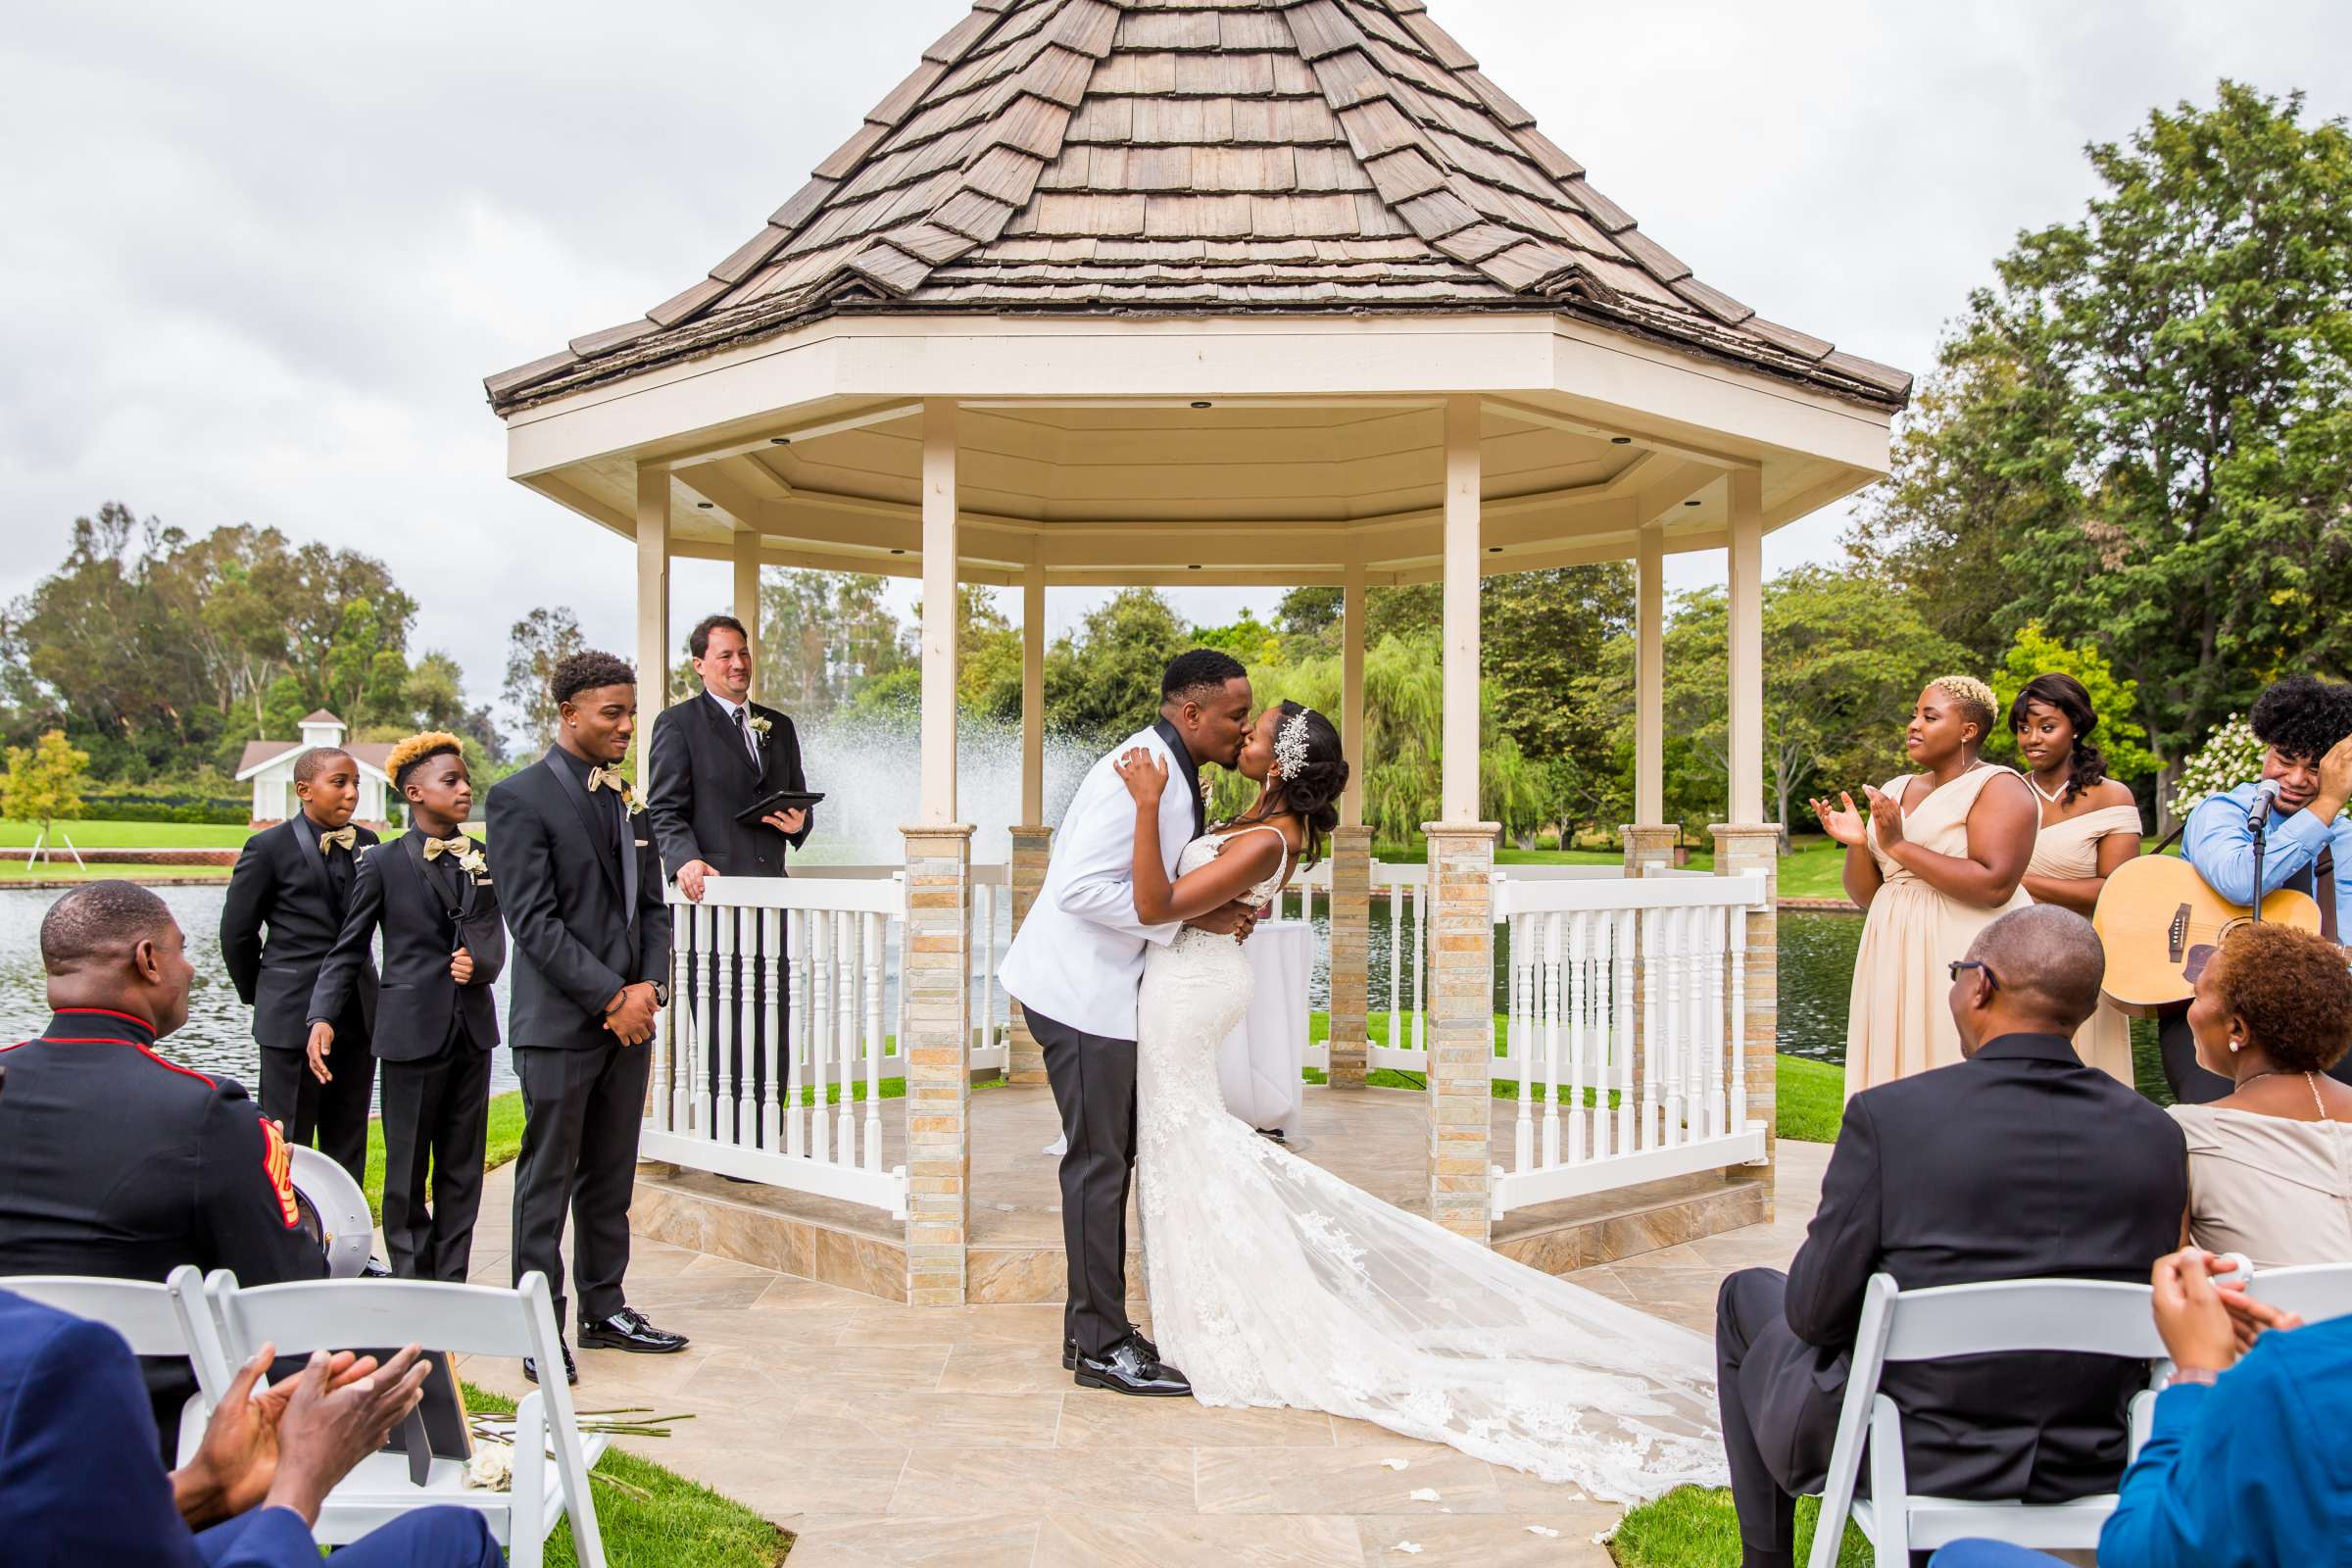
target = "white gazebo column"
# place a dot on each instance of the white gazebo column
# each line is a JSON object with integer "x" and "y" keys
{"x": 1032, "y": 839}
{"x": 1462, "y": 859}
{"x": 1350, "y": 908}
{"x": 1747, "y": 842}
{"x": 936, "y": 965}
{"x": 747, "y": 596}
{"x": 653, "y": 604}
{"x": 1650, "y": 837}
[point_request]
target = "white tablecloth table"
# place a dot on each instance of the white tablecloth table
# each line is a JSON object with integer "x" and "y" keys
{"x": 1260, "y": 1064}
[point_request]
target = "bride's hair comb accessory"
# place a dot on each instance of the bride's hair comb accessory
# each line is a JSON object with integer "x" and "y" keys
{"x": 1289, "y": 744}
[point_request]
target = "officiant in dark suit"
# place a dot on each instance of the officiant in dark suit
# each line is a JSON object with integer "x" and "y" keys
{"x": 716, "y": 754}
{"x": 283, "y": 911}
{"x": 588, "y": 965}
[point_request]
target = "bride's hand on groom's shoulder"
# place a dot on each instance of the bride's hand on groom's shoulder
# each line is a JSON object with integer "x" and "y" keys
{"x": 1144, "y": 774}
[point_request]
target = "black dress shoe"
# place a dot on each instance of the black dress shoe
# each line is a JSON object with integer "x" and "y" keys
{"x": 1127, "y": 1369}
{"x": 1069, "y": 1352}
{"x": 627, "y": 1329}
{"x": 572, "y": 1371}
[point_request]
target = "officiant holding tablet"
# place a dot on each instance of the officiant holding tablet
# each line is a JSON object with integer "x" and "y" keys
{"x": 714, "y": 757}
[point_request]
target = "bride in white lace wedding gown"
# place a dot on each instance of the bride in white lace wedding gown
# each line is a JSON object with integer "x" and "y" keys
{"x": 1274, "y": 1282}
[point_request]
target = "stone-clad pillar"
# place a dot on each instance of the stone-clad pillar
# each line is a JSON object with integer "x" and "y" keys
{"x": 938, "y": 1049}
{"x": 1030, "y": 848}
{"x": 1756, "y": 847}
{"x": 1461, "y": 1023}
{"x": 1351, "y": 954}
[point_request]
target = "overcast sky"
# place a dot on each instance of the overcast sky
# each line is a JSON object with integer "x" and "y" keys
{"x": 256, "y": 256}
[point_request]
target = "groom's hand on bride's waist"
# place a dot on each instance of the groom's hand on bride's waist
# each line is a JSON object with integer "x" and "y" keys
{"x": 1236, "y": 920}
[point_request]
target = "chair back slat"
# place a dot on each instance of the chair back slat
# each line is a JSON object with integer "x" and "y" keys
{"x": 2316, "y": 1291}
{"x": 139, "y": 1310}
{"x": 341, "y": 1314}
{"x": 2090, "y": 1317}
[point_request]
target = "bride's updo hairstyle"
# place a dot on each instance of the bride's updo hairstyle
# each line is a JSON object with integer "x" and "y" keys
{"x": 1311, "y": 787}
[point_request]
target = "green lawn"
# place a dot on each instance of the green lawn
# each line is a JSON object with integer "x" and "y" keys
{"x": 652, "y": 1515}
{"x": 1693, "y": 1527}
{"x": 62, "y": 870}
{"x": 94, "y": 834}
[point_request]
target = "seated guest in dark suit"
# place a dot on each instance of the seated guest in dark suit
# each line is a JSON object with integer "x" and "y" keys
{"x": 2245, "y": 1465}
{"x": 85, "y": 1489}
{"x": 294, "y": 881}
{"x": 112, "y": 1161}
{"x": 716, "y": 753}
{"x": 582, "y": 891}
{"x": 2016, "y": 1163}
{"x": 428, "y": 891}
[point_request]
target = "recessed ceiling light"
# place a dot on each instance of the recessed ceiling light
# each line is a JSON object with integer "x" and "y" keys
{"x": 1203, "y": 404}
{"x": 1494, "y": 550}
{"x": 705, "y": 505}
{"x": 779, "y": 440}
{"x": 1689, "y": 503}
{"x": 898, "y": 552}
{"x": 1191, "y": 568}
{"x": 1621, "y": 440}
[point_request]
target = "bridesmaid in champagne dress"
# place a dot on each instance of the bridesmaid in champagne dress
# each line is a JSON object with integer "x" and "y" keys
{"x": 1941, "y": 856}
{"x": 2089, "y": 827}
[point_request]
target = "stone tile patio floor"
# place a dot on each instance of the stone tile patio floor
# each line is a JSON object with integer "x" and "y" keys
{"x": 953, "y": 1439}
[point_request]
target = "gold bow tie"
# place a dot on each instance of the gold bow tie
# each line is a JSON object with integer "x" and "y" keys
{"x": 343, "y": 835}
{"x": 607, "y": 778}
{"x": 435, "y": 849}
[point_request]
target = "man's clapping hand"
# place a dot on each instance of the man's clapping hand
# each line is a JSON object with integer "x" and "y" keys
{"x": 235, "y": 1465}
{"x": 330, "y": 1422}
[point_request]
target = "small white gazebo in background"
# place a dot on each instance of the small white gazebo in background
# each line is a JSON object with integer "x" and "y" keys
{"x": 268, "y": 766}
{"x": 1188, "y": 292}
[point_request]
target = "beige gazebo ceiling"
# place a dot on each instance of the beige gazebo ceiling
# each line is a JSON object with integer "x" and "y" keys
{"x": 1074, "y": 177}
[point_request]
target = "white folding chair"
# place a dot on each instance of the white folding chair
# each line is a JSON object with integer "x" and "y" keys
{"x": 169, "y": 1320}
{"x": 2096, "y": 1317}
{"x": 2317, "y": 1290}
{"x": 447, "y": 1319}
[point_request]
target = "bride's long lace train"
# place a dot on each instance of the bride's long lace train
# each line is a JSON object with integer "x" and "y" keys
{"x": 1274, "y": 1282}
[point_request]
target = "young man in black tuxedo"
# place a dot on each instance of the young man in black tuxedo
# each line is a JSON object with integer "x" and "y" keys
{"x": 429, "y": 892}
{"x": 581, "y": 887}
{"x": 2016, "y": 1163}
{"x": 294, "y": 881}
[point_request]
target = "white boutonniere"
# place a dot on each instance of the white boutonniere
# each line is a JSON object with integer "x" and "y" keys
{"x": 760, "y": 727}
{"x": 492, "y": 1467}
{"x": 476, "y": 866}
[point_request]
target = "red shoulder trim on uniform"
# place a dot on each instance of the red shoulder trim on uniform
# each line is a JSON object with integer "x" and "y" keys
{"x": 110, "y": 1040}
{"x": 108, "y": 1013}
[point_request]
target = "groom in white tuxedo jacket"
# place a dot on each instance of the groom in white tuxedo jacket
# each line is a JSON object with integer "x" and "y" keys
{"x": 1076, "y": 966}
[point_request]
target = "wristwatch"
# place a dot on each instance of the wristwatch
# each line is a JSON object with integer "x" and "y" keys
{"x": 660, "y": 993}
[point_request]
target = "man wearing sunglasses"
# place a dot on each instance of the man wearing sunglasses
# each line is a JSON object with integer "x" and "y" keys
{"x": 2016, "y": 1163}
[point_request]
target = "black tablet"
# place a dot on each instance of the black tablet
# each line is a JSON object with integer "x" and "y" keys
{"x": 780, "y": 801}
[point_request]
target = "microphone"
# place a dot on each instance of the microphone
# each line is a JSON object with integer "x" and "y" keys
{"x": 2265, "y": 794}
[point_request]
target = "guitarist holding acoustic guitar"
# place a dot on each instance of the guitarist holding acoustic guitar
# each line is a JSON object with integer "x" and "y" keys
{"x": 2161, "y": 919}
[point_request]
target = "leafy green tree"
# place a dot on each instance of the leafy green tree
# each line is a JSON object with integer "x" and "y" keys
{"x": 535, "y": 645}
{"x": 43, "y": 781}
{"x": 2120, "y": 735}
{"x": 1249, "y": 639}
{"x": 2141, "y": 438}
{"x": 1103, "y": 682}
{"x": 822, "y": 636}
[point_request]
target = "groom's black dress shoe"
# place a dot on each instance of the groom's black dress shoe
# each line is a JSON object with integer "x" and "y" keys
{"x": 1069, "y": 1352}
{"x": 627, "y": 1329}
{"x": 572, "y": 1371}
{"x": 1126, "y": 1368}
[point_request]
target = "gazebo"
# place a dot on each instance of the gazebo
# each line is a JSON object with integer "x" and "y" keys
{"x": 1180, "y": 292}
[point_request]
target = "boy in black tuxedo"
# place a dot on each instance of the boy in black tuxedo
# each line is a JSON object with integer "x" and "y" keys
{"x": 435, "y": 1022}
{"x": 586, "y": 909}
{"x": 295, "y": 879}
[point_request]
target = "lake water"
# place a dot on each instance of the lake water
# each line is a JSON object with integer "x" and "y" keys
{"x": 218, "y": 1037}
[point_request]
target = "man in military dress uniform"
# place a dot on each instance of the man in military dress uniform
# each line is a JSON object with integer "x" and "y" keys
{"x": 115, "y": 1161}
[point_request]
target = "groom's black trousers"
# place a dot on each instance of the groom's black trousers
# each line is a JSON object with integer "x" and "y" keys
{"x": 1094, "y": 1088}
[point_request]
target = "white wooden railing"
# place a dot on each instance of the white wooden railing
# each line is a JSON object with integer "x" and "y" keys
{"x": 1405, "y": 885}
{"x": 1574, "y": 999}
{"x": 783, "y": 994}
{"x": 991, "y": 915}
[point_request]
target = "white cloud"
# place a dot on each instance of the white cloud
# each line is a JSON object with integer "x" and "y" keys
{"x": 257, "y": 257}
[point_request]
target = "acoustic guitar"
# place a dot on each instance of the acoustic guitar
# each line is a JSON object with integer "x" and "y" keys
{"x": 2161, "y": 924}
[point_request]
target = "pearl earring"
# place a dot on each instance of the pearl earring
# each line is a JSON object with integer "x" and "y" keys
{"x": 2235, "y": 1045}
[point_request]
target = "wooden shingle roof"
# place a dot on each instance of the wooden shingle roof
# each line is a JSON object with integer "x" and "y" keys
{"x": 1213, "y": 157}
